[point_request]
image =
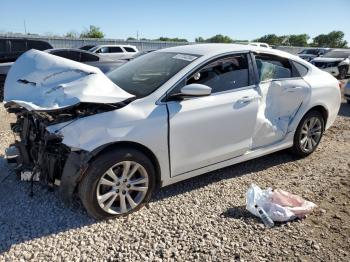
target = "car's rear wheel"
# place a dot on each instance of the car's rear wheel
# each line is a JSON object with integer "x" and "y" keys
{"x": 308, "y": 134}
{"x": 117, "y": 183}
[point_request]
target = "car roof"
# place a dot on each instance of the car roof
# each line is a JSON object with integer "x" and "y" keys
{"x": 116, "y": 45}
{"x": 101, "y": 58}
{"x": 216, "y": 49}
{"x": 69, "y": 49}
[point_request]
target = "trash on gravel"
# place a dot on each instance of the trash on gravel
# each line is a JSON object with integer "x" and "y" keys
{"x": 277, "y": 205}
{"x": 268, "y": 222}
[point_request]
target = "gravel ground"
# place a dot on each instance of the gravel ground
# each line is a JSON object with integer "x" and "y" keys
{"x": 200, "y": 219}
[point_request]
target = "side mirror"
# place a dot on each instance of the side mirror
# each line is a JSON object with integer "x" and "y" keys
{"x": 196, "y": 90}
{"x": 192, "y": 90}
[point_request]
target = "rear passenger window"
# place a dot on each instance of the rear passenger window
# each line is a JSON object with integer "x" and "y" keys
{"x": 129, "y": 49}
{"x": 273, "y": 67}
{"x": 224, "y": 74}
{"x": 302, "y": 70}
{"x": 104, "y": 50}
{"x": 115, "y": 49}
{"x": 18, "y": 45}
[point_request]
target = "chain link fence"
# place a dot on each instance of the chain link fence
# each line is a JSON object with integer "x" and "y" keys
{"x": 63, "y": 42}
{"x": 142, "y": 45}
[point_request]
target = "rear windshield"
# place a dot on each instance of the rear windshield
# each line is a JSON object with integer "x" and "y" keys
{"x": 147, "y": 73}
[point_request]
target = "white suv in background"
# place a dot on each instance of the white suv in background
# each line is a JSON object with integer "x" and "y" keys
{"x": 260, "y": 44}
{"x": 115, "y": 51}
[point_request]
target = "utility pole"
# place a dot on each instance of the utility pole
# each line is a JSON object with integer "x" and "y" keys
{"x": 25, "y": 27}
{"x": 137, "y": 34}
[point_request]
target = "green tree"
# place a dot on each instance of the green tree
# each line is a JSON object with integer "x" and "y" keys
{"x": 199, "y": 39}
{"x": 298, "y": 40}
{"x": 215, "y": 39}
{"x": 167, "y": 39}
{"x": 93, "y": 32}
{"x": 72, "y": 34}
{"x": 219, "y": 39}
{"x": 271, "y": 39}
{"x": 130, "y": 38}
{"x": 334, "y": 39}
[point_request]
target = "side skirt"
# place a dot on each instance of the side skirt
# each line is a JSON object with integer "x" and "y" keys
{"x": 286, "y": 143}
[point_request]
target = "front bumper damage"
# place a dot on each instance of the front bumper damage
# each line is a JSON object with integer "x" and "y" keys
{"x": 39, "y": 155}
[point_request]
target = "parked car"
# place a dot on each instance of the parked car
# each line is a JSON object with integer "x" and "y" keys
{"x": 105, "y": 64}
{"x": 310, "y": 53}
{"x": 11, "y": 48}
{"x": 115, "y": 51}
{"x": 86, "y": 47}
{"x": 259, "y": 44}
{"x": 335, "y": 62}
{"x": 164, "y": 117}
{"x": 347, "y": 92}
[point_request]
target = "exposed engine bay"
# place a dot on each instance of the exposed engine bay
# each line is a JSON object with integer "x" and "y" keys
{"x": 40, "y": 153}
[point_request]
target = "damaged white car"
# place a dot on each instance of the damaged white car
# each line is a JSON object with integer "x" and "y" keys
{"x": 164, "y": 117}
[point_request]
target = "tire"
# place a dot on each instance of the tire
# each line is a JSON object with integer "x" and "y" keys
{"x": 313, "y": 138}
{"x": 342, "y": 72}
{"x": 99, "y": 180}
{"x": 348, "y": 101}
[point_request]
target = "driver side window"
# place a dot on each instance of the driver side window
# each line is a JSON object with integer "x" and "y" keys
{"x": 224, "y": 74}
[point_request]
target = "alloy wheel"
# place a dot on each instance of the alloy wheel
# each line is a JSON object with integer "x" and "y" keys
{"x": 310, "y": 134}
{"x": 122, "y": 187}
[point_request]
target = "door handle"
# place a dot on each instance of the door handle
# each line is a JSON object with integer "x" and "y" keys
{"x": 246, "y": 99}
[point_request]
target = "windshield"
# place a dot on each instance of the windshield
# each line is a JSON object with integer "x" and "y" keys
{"x": 337, "y": 54}
{"x": 94, "y": 48}
{"x": 147, "y": 73}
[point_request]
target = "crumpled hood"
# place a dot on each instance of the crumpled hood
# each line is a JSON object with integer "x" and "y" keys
{"x": 327, "y": 59}
{"x": 41, "y": 81}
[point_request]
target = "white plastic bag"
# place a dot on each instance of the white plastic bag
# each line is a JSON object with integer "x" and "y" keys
{"x": 280, "y": 205}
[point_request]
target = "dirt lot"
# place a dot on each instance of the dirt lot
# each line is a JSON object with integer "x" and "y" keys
{"x": 200, "y": 219}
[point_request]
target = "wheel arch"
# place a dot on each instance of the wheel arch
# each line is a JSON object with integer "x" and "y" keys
{"x": 321, "y": 109}
{"x": 134, "y": 145}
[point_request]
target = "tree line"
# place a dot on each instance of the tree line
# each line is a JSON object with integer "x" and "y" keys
{"x": 334, "y": 39}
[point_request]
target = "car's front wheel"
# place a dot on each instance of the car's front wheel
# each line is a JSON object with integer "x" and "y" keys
{"x": 117, "y": 183}
{"x": 308, "y": 134}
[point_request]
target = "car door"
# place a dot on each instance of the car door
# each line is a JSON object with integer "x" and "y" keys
{"x": 206, "y": 130}
{"x": 116, "y": 52}
{"x": 283, "y": 91}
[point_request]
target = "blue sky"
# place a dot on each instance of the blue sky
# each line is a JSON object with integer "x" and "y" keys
{"x": 238, "y": 19}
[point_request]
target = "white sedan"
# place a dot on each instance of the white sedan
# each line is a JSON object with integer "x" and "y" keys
{"x": 164, "y": 117}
